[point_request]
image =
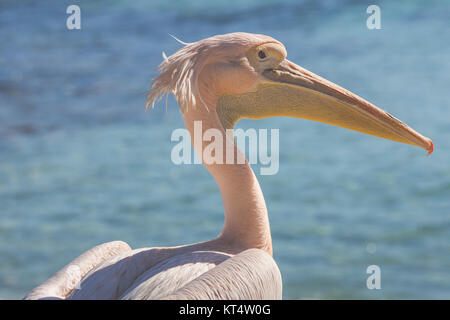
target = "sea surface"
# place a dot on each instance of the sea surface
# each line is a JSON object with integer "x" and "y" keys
{"x": 81, "y": 163}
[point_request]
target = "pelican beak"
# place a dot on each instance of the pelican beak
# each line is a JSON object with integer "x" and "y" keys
{"x": 291, "y": 91}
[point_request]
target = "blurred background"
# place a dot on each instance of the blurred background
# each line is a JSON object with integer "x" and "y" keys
{"x": 82, "y": 164}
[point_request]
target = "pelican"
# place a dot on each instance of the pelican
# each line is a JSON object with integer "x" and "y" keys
{"x": 218, "y": 81}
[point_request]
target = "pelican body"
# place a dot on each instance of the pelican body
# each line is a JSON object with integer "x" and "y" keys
{"x": 218, "y": 81}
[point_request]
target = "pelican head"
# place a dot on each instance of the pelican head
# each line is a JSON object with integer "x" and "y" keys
{"x": 242, "y": 75}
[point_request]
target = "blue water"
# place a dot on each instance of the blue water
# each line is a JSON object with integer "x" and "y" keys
{"x": 82, "y": 164}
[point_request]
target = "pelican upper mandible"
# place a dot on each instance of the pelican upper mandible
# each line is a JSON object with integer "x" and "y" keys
{"x": 218, "y": 81}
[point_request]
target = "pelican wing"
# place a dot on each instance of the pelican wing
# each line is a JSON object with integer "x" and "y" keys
{"x": 250, "y": 275}
{"x": 61, "y": 284}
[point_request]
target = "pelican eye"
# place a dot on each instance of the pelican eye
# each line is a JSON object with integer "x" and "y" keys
{"x": 261, "y": 54}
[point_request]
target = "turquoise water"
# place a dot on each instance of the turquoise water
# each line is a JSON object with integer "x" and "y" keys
{"x": 81, "y": 163}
